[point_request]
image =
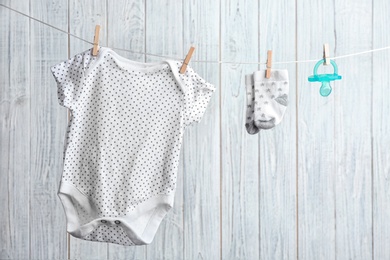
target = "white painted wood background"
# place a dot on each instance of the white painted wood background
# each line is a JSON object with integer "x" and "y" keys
{"x": 317, "y": 186}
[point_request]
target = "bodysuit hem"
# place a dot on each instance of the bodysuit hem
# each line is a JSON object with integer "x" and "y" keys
{"x": 155, "y": 208}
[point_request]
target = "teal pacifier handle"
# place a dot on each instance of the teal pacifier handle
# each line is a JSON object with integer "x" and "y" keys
{"x": 335, "y": 68}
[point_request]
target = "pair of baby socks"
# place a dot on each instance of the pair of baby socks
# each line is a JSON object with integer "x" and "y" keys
{"x": 267, "y": 99}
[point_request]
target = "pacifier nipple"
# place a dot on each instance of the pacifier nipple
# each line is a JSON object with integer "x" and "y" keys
{"x": 325, "y": 89}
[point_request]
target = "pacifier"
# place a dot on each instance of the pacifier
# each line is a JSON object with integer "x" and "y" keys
{"x": 325, "y": 79}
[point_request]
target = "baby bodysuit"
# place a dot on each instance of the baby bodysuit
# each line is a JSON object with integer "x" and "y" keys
{"x": 123, "y": 141}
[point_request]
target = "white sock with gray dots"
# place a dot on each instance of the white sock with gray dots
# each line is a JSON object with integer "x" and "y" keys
{"x": 271, "y": 98}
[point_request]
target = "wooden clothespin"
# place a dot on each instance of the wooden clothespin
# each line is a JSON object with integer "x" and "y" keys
{"x": 187, "y": 60}
{"x": 269, "y": 64}
{"x": 326, "y": 54}
{"x": 96, "y": 40}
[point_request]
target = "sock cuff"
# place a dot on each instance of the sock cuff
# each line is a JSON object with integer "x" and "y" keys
{"x": 276, "y": 75}
{"x": 249, "y": 80}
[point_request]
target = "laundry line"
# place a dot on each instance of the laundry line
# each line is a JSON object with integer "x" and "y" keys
{"x": 198, "y": 61}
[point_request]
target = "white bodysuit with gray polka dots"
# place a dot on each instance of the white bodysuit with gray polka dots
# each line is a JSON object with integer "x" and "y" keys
{"x": 123, "y": 141}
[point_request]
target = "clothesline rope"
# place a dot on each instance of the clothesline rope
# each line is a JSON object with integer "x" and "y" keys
{"x": 200, "y": 61}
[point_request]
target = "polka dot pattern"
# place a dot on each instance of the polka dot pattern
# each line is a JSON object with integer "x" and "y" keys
{"x": 124, "y": 137}
{"x": 109, "y": 234}
{"x": 83, "y": 215}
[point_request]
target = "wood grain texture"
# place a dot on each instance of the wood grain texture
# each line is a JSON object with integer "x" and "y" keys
{"x": 15, "y": 133}
{"x": 316, "y": 134}
{"x": 353, "y": 113}
{"x": 164, "y": 30}
{"x": 239, "y": 150}
{"x": 315, "y": 187}
{"x": 48, "y": 125}
{"x": 277, "y": 150}
{"x": 201, "y": 144}
{"x": 126, "y": 30}
{"x": 5, "y": 100}
{"x": 381, "y": 132}
{"x": 84, "y": 15}
{"x": 126, "y": 27}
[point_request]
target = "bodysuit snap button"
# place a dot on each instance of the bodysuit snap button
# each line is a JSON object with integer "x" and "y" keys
{"x": 117, "y": 222}
{"x": 103, "y": 221}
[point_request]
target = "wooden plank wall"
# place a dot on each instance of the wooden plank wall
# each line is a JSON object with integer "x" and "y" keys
{"x": 317, "y": 186}
{"x": 315, "y": 137}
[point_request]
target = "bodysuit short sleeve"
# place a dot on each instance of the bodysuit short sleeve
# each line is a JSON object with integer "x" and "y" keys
{"x": 197, "y": 96}
{"x": 68, "y": 75}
